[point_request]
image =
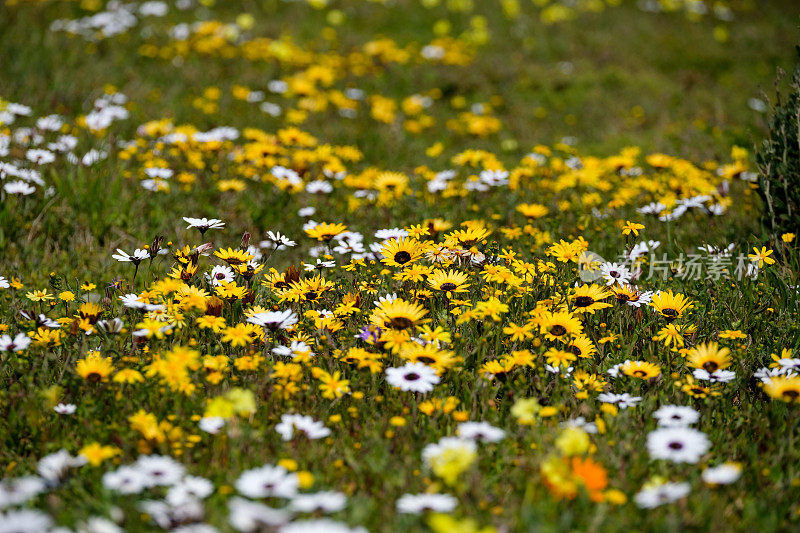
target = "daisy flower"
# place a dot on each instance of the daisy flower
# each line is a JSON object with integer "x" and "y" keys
{"x": 313, "y": 429}
{"x": 723, "y": 474}
{"x": 415, "y": 377}
{"x": 652, "y": 497}
{"x": 325, "y": 502}
{"x": 65, "y": 408}
{"x": 480, "y": 431}
{"x": 677, "y": 444}
{"x": 136, "y": 257}
{"x": 203, "y": 224}
{"x": 268, "y": 481}
{"x": 676, "y": 416}
{"x": 419, "y": 503}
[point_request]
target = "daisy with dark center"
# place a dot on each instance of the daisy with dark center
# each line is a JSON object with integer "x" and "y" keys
{"x": 94, "y": 367}
{"x": 415, "y": 377}
{"x": 399, "y": 314}
{"x": 307, "y": 290}
{"x": 220, "y": 274}
{"x": 449, "y": 282}
{"x": 694, "y": 389}
{"x": 203, "y": 224}
{"x": 587, "y": 298}
{"x": 480, "y": 431}
{"x": 324, "y": 232}
{"x": 274, "y": 320}
{"x": 709, "y": 357}
{"x": 560, "y": 325}
{"x": 640, "y": 369}
{"x": 465, "y": 238}
{"x": 581, "y": 346}
{"x": 784, "y": 388}
{"x": 630, "y": 295}
{"x": 90, "y": 312}
{"x": 671, "y": 306}
{"x": 677, "y": 444}
{"x": 400, "y": 252}
{"x": 615, "y": 274}
{"x": 673, "y": 334}
{"x": 233, "y": 256}
{"x": 136, "y": 258}
{"x": 429, "y": 355}
{"x": 676, "y": 416}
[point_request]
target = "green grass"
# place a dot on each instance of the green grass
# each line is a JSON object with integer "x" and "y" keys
{"x": 610, "y": 80}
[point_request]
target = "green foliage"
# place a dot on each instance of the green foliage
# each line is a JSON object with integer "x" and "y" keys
{"x": 779, "y": 162}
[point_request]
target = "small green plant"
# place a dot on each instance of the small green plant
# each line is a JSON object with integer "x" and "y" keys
{"x": 779, "y": 162}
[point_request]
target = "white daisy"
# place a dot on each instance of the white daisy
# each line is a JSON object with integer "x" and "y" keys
{"x": 249, "y": 516}
{"x": 220, "y": 274}
{"x": 680, "y": 445}
{"x": 319, "y": 526}
{"x": 313, "y": 429}
{"x": 480, "y": 431}
{"x": 623, "y": 401}
{"x": 54, "y": 467}
{"x": 268, "y": 481}
{"x": 65, "y": 408}
{"x": 416, "y": 377}
{"x": 18, "y": 343}
{"x": 325, "y": 502}
{"x": 274, "y": 320}
{"x": 136, "y": 257}
{"x": 132, "y": 301}
{"x": 159, "y": 470}
{"x": 203, "y": 224}
{"x": 25, "y": 521}
{"x": 676, "y": 416}
{"x": 419, "y": 503}
{"x": 652, "y": 497}
{"x": 211, "y": 424}
{"x": 723, "y": 474}
{"x": 16, "y": 491}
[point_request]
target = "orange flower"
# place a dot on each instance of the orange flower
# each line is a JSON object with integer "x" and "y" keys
{"x": 591, "y": 474}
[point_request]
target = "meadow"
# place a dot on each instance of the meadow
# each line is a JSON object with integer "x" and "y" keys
{"x": 396, "y": 265}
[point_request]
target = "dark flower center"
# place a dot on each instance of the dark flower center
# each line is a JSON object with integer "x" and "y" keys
{"x": 676, "y": 445}
{"x": 791, "y": 393}
{"x": 402, "y": 257}
{"x": 669, "y": 312}
{"x": 584, "y": 301}
{"x": 425, "y": 359}
{"x": 574, "y": 349}
{"x": 311, "y": 295}
{"x": 558, "y": 330}
{"x": 400, "y": 322}
{"x": 710, "y": 366}
{"x": 448, "y": 286}
{"x": 413, "y": 376}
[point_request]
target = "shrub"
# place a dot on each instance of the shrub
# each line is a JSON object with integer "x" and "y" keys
{"x": 779, "y": 163}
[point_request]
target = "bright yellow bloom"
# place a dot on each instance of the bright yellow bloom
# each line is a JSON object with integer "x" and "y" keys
{"x": 95, "y": 453}
{"x": 631, "y": 227}
{"x": 762, "y": 256}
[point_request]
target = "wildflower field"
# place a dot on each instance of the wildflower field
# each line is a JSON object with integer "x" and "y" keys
{"x": 477, "y": 266}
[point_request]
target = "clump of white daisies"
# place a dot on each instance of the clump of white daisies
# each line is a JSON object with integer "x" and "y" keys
{"x": 676, "y": 441}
